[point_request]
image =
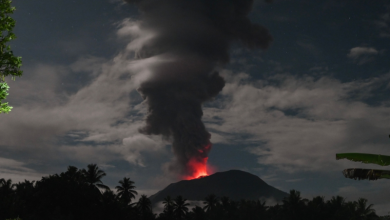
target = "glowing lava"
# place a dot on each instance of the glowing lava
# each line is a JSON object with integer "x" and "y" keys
{"x": 199, "y": 168}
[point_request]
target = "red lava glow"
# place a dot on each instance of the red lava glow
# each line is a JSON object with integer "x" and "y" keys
{"x": 200, "y": 168}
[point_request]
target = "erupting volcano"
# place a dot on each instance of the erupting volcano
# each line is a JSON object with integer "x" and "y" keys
{"x": 178, "y": 46}
{"x": 198, "y": 168}
{"x": 235, "y": 184}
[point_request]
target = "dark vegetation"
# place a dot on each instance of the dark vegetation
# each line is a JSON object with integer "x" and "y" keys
{"x": 81, "y": 194}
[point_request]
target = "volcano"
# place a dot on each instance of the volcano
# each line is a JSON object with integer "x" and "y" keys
{"x": 235, "y": 184}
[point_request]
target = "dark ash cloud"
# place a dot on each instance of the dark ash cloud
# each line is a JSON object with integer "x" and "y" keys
{"x": 195, "y": 37}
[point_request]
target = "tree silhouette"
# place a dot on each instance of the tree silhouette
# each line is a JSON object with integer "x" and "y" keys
{"x": 180, "y": 208}
{"x": 260, "y": 208}
{"x": 126, "y": 190}
{"x": 59, "y": 197}
{"x": 111, "y": 208}
{"x": 210, "y": 202}
{"x": 197, "y": 213}
{"x": 6, "y": 186}
{"x": 93, "y": 175}
{"x": 276, "y": 212}
{"x": 108, "y": 197}
{"x": 364, "y": 211}
{"x": 168, "y": 207}
{"x": 74, "y": 174}
{"x": 336, "y": 207}
{"x": 294, "y": 204}
{"x": 337, "y": 202}
{"x": 144, "y": 206}
{"x": 225, "y": 201}
{"x": 69, "y": 196}
{"x": 294, "y": 199}
{"x": 24, "y": 193}
{"x": 6, "y": 198}
{"x": 228, "y": 209}
{"x": 316, "y": 208}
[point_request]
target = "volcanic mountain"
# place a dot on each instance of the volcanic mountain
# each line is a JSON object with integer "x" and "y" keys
{"x": 234, "y": 184}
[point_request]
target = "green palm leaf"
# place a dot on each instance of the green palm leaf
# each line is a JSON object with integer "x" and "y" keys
{"x": 382, "y": 160}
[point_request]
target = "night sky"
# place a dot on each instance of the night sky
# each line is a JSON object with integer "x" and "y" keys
{"x": 319, "y": 89}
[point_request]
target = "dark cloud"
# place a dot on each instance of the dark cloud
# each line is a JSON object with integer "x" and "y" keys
{"x": 203, "y": 27}
{"x": 196, "y": 36}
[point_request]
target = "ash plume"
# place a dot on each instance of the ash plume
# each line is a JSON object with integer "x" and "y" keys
{"x": 190, "y": 39}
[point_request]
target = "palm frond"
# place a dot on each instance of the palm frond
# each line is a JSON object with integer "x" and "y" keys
{"x": 103, "y": 186}
{"x": 382, "y": 160}
{"x": 120, "y": 188}
{"x": 370, "y": 174}
{"x": 133, "y": 192}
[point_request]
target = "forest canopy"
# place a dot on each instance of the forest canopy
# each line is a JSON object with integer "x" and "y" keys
{"x": 81, "y": 194}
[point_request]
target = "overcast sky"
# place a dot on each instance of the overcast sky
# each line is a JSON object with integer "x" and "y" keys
{"x": 319, "y": 89}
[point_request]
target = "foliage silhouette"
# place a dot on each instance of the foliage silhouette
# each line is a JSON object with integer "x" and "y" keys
{"x": 293, "y": 204}
{"x": 72, "y": 195}
{"x": 197, "y": 214}
{"x": 210, "y": 202}
{"x": 9, "y": 64}
{"x": 180, "y": 207}
{"x": 126, "y": 190}
{"x": 92, "y": 175}
{"x": 144, "y": 207}
{"x": 6, "y": 194}
{"x": 168, "y": 208}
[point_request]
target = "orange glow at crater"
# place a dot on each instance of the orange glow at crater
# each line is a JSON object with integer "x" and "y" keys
{"x": 199, "y": 167}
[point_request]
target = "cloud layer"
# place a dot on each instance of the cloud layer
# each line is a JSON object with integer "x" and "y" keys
{"x": 362, "y": 55}
{"x": 300, "y": 123}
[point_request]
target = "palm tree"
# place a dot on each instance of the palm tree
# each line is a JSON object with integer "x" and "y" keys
{"x": 294, "y": 199}
{"x": 6, "y": 198}
{"x": 24, "y": 189}
{"x": 111, "y": 208}
{"x": 294, "y": 204}
{"x": 180, "y": 208}
{"x": 144, "y": 206}
{"x": 24, "y": 185}
{"x": 6, "y": 186}
{"x": 168, "y": 206}
{"x": 337, "y": 202}
{"x": 318, "y": 201}
{"x": 276, "y": 212}
{"x": 225, "y": 201}
{"x": 260, "y": 206}
{"x": 108, "y": 196}
{"x": 335, "y": 207}
{"x": 249, "y": 209}
{"x": 74, "y": 174}
{"x": 210, "y": 202}
{"x": 229, "y": 208}
{"x": 93, "y": 175}
{"x": 364, "y": 211}
{"x": 316, "y": 208}
{"x": 126, "y": 190}
{"x": 198, "y": 213}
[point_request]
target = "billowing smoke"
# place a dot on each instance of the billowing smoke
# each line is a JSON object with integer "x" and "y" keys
{"x": 190, "y": 38}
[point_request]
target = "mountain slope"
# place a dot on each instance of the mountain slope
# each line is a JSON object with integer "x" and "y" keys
{"x": 235, "y": 184}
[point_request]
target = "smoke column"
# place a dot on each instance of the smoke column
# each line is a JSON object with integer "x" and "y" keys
{"x": 190, "y": 39}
